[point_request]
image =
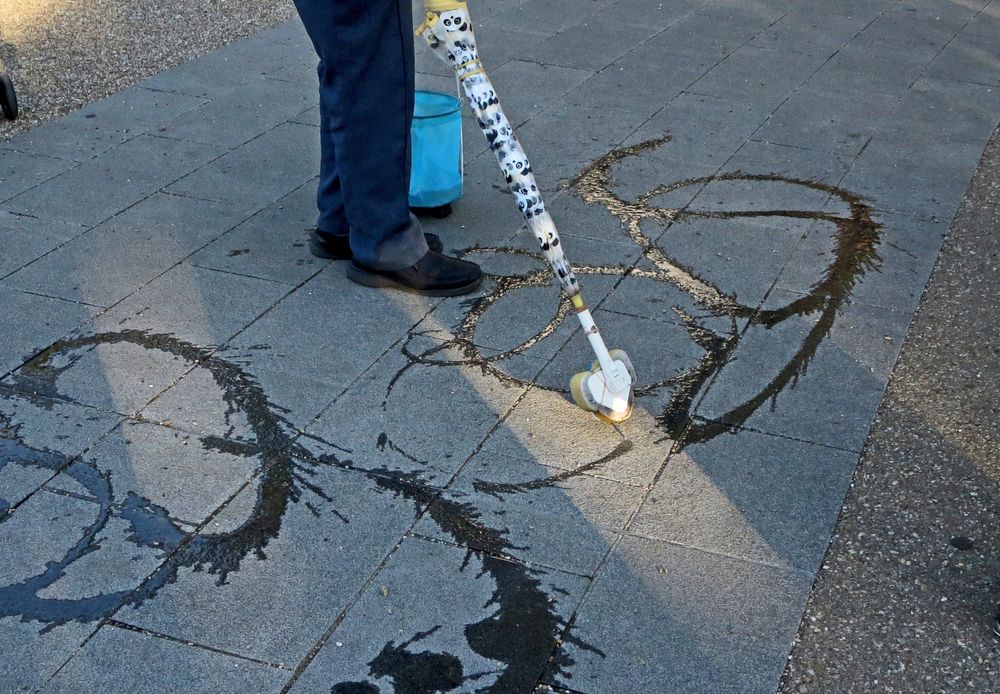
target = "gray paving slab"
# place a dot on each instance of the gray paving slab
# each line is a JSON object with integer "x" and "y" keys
{"x": 789, "y": 371}
{"x": 180, "y": 473}
{"x": 25, "y": 239}
{"x": 376, "y": 421}
{"x": 800, "y": 167}
{"x": 333, "y": 536}
{"x": 32, "y": 657}
{"x": 20, "y": 340}
{"x": 103, "y": 125}
{"x": 968, "y": 56}
{"x": 558, "y": 153}
{"x": 651, "y": 13}
{"x": 40, "y": 437}
{"x": 500, "y": 38}
{"x": 906, "y": 252}
{"x": 636, "y": 86}
{"x": 592, "y": 44}
{"x": 238, "y": 64}
{"x": 102, "y": 187}
{"x": 684, "y": 621}
{"x": 20, "y": 171}
{"x": 548, "y": 516}
{"x": 538, "y": 429}
{"x": 307, "y": 350}
{"x": 117, "y": 372}
{"x": 159, "y": 662}
{"x": 839, "y": 122}
{"x": 250, "y": 175}
{"x": 818, "y": 29}
{"x": 239, "y": 116}
{"x": 120, "y": 256}
{"x": 762, "y": 76}
{"x": 756, "y": 497}
{"x": 493, "y": 625}
{"x": 192, "y": 304}
{"x": 272, "y": 245}
{"x": 551, "y": 81}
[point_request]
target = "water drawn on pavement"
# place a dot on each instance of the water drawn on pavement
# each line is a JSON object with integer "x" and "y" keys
{"x": 522, "y": 630}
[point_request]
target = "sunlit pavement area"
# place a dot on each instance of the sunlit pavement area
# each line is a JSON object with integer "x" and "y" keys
{"x": 226, "y": 468}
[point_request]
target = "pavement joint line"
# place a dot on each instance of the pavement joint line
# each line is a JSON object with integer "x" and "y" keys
{"x": 786, "y": 437}
{"x": 500, "y": 555}
{"x": 787, "y": 568}
{"x": 166, "y": 637}
{"x": 328, "y": 634}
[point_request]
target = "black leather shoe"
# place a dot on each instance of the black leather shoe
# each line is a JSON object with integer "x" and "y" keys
{"x": 332, "y": 247}
{"x": 432, "y": 275}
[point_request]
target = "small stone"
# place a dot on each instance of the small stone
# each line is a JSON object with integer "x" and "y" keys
{"x": 962, "y": 543}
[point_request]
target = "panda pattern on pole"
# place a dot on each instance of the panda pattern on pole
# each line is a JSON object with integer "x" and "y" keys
{"x": 448, "y": 32}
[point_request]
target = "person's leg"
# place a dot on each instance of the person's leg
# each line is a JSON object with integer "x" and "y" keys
{"x": 366, "y": 95}
{"x": 329, "y": 197}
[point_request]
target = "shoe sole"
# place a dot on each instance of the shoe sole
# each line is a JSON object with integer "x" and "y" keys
{"x": 375, "y": 281}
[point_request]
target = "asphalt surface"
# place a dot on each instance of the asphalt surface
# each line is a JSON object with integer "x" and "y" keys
{"x": 904, "y": 597}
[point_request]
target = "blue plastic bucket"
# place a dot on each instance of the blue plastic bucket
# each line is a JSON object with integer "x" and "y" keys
{"x": 436, "y": 144}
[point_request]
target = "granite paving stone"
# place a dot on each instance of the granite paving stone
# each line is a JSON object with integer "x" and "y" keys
{"x": 851, "y": 368}
{"x": 557, "y": 154}
{"x": 104, "y": 124}
{"x": 762, "y": 498}
{"x": 685, "y": 621}
{"x": 968, "y": 55}
{"x": 102, "y": 187}
{"x": 651, "y": 13}
{"x": 32, "y": 655}
{"x": 493, "y": 625}
{"x": 638, "y": 83}
{"x": 764, "y": 77}
{"x": 704, "y": 132}
{"x": 25, "y": 239}
{"x": 592, "y": 44}
{"x": 39, "y": 437}
{"x": 242, "y": 114}
{"x": 97, "y": 370}
{"x": 551, "y": 82}
{"x": 810, "y": 30}
{"x": 121, "y": 255}
{"x": 21, "y": 340}
{"x": 546, "y": 429}
{"x": 195, "y": 305}
{"x": 183, "y": 474}
{"x": 802, "y": 166}
{"x": 838, "y": 122}
{"x": 20, "y": 171}
{"x": 251, "y": 176}
{"x": 327, "y": 543}
{"x": 306, "y": 351}
{"x": 271, "y": 245}
{"x": 906, "y": 252}
{"x": 158, "y": 660}
{"x": 549, "y": 517}
{"x": 377, "y": 425}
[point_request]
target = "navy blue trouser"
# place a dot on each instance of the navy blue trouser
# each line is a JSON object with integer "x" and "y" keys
{"x": 365, "y": 50}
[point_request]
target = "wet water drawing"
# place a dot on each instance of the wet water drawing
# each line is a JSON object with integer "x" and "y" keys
{"x": 522, "y": 626}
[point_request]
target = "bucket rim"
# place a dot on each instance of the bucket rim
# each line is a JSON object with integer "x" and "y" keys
{"x": 455, "y": 104}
